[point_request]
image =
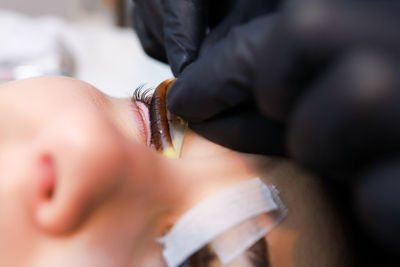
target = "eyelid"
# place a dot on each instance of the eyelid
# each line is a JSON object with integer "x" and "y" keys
{"x": 143, "y": 112}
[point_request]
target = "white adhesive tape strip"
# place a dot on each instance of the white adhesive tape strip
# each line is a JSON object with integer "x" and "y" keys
{"x": 238, "y": 239}
{"x": 217, "y": 214}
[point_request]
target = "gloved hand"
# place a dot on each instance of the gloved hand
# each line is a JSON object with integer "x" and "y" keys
{"x": 319, "y": 82}
{"x": 320, "y": 77}
{"x": 172, "y": 31}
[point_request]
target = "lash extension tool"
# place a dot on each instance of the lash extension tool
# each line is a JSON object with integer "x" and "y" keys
{"x": 168, "y": 130}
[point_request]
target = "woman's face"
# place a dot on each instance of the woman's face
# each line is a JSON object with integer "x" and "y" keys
{"x": 77, "y": 176}
{"x": 81, "y": 187}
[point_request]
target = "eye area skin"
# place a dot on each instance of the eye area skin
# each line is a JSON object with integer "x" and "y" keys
{"x": 159, "y": 118}
{"x": 144, "y": 120}
{"x": 35, "y": 102}
{"x": 142, "y": 97}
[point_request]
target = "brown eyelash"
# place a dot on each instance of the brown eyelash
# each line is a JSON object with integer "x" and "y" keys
{"x": 160, "y": 135}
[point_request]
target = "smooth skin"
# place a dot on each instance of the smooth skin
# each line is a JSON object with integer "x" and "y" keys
{"x": 80, "y": 186}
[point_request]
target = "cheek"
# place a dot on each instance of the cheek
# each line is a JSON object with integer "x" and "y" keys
{"x": 89, "y": 162}
{"x": 17, "y": 232}
{"x": 128, "y": 224}
{"x": 153, "y": 185}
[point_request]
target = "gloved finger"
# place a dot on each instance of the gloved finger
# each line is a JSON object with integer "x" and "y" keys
{"x": 185, "y": 25}
{"x": 377, "y": 198}
{"x": 148, "y": 40}
{"x": 308, "y": 38}
{"x": 244, "y": 131}
{"x": 221, "y": 77}
{"x": 151, "y": 13}
{"x": 350, "y": 117}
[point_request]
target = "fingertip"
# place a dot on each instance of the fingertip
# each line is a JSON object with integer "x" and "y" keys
{"x": 179, "y": 59}
{"x": 148, "y": 40}
{"x": 182, "y": 99}
{"x": 173, "y": 102}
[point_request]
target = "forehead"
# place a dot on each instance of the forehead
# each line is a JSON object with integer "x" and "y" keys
{"x": 50, "y": 85}
{"x": 48, "y": 92}
{"x": 34, "y": 101}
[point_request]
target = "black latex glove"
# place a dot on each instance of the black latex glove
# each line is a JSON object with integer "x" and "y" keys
{"x": 377, "y": 201}
{"x": 172, "y": 31}
{"x": 320, "y": 82}
{"x": 325, "y": 71}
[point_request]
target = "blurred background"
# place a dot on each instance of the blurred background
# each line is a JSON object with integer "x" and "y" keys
{"x": 91, "y": 40}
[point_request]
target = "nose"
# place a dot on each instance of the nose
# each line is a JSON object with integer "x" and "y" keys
{"x": 84, "y": 162}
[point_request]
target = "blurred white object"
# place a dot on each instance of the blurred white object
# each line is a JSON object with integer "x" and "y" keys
{"x": 112, "y": 59}
{"x": 31, "y": 47}
{"x": 92, "y": 50}
{"x": 61, "y": 8}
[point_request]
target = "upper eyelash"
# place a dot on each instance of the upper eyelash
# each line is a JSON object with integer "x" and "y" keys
{"x": 143, "y": 94}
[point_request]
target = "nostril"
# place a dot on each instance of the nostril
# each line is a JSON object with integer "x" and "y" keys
{"x": 47, "y": 176}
